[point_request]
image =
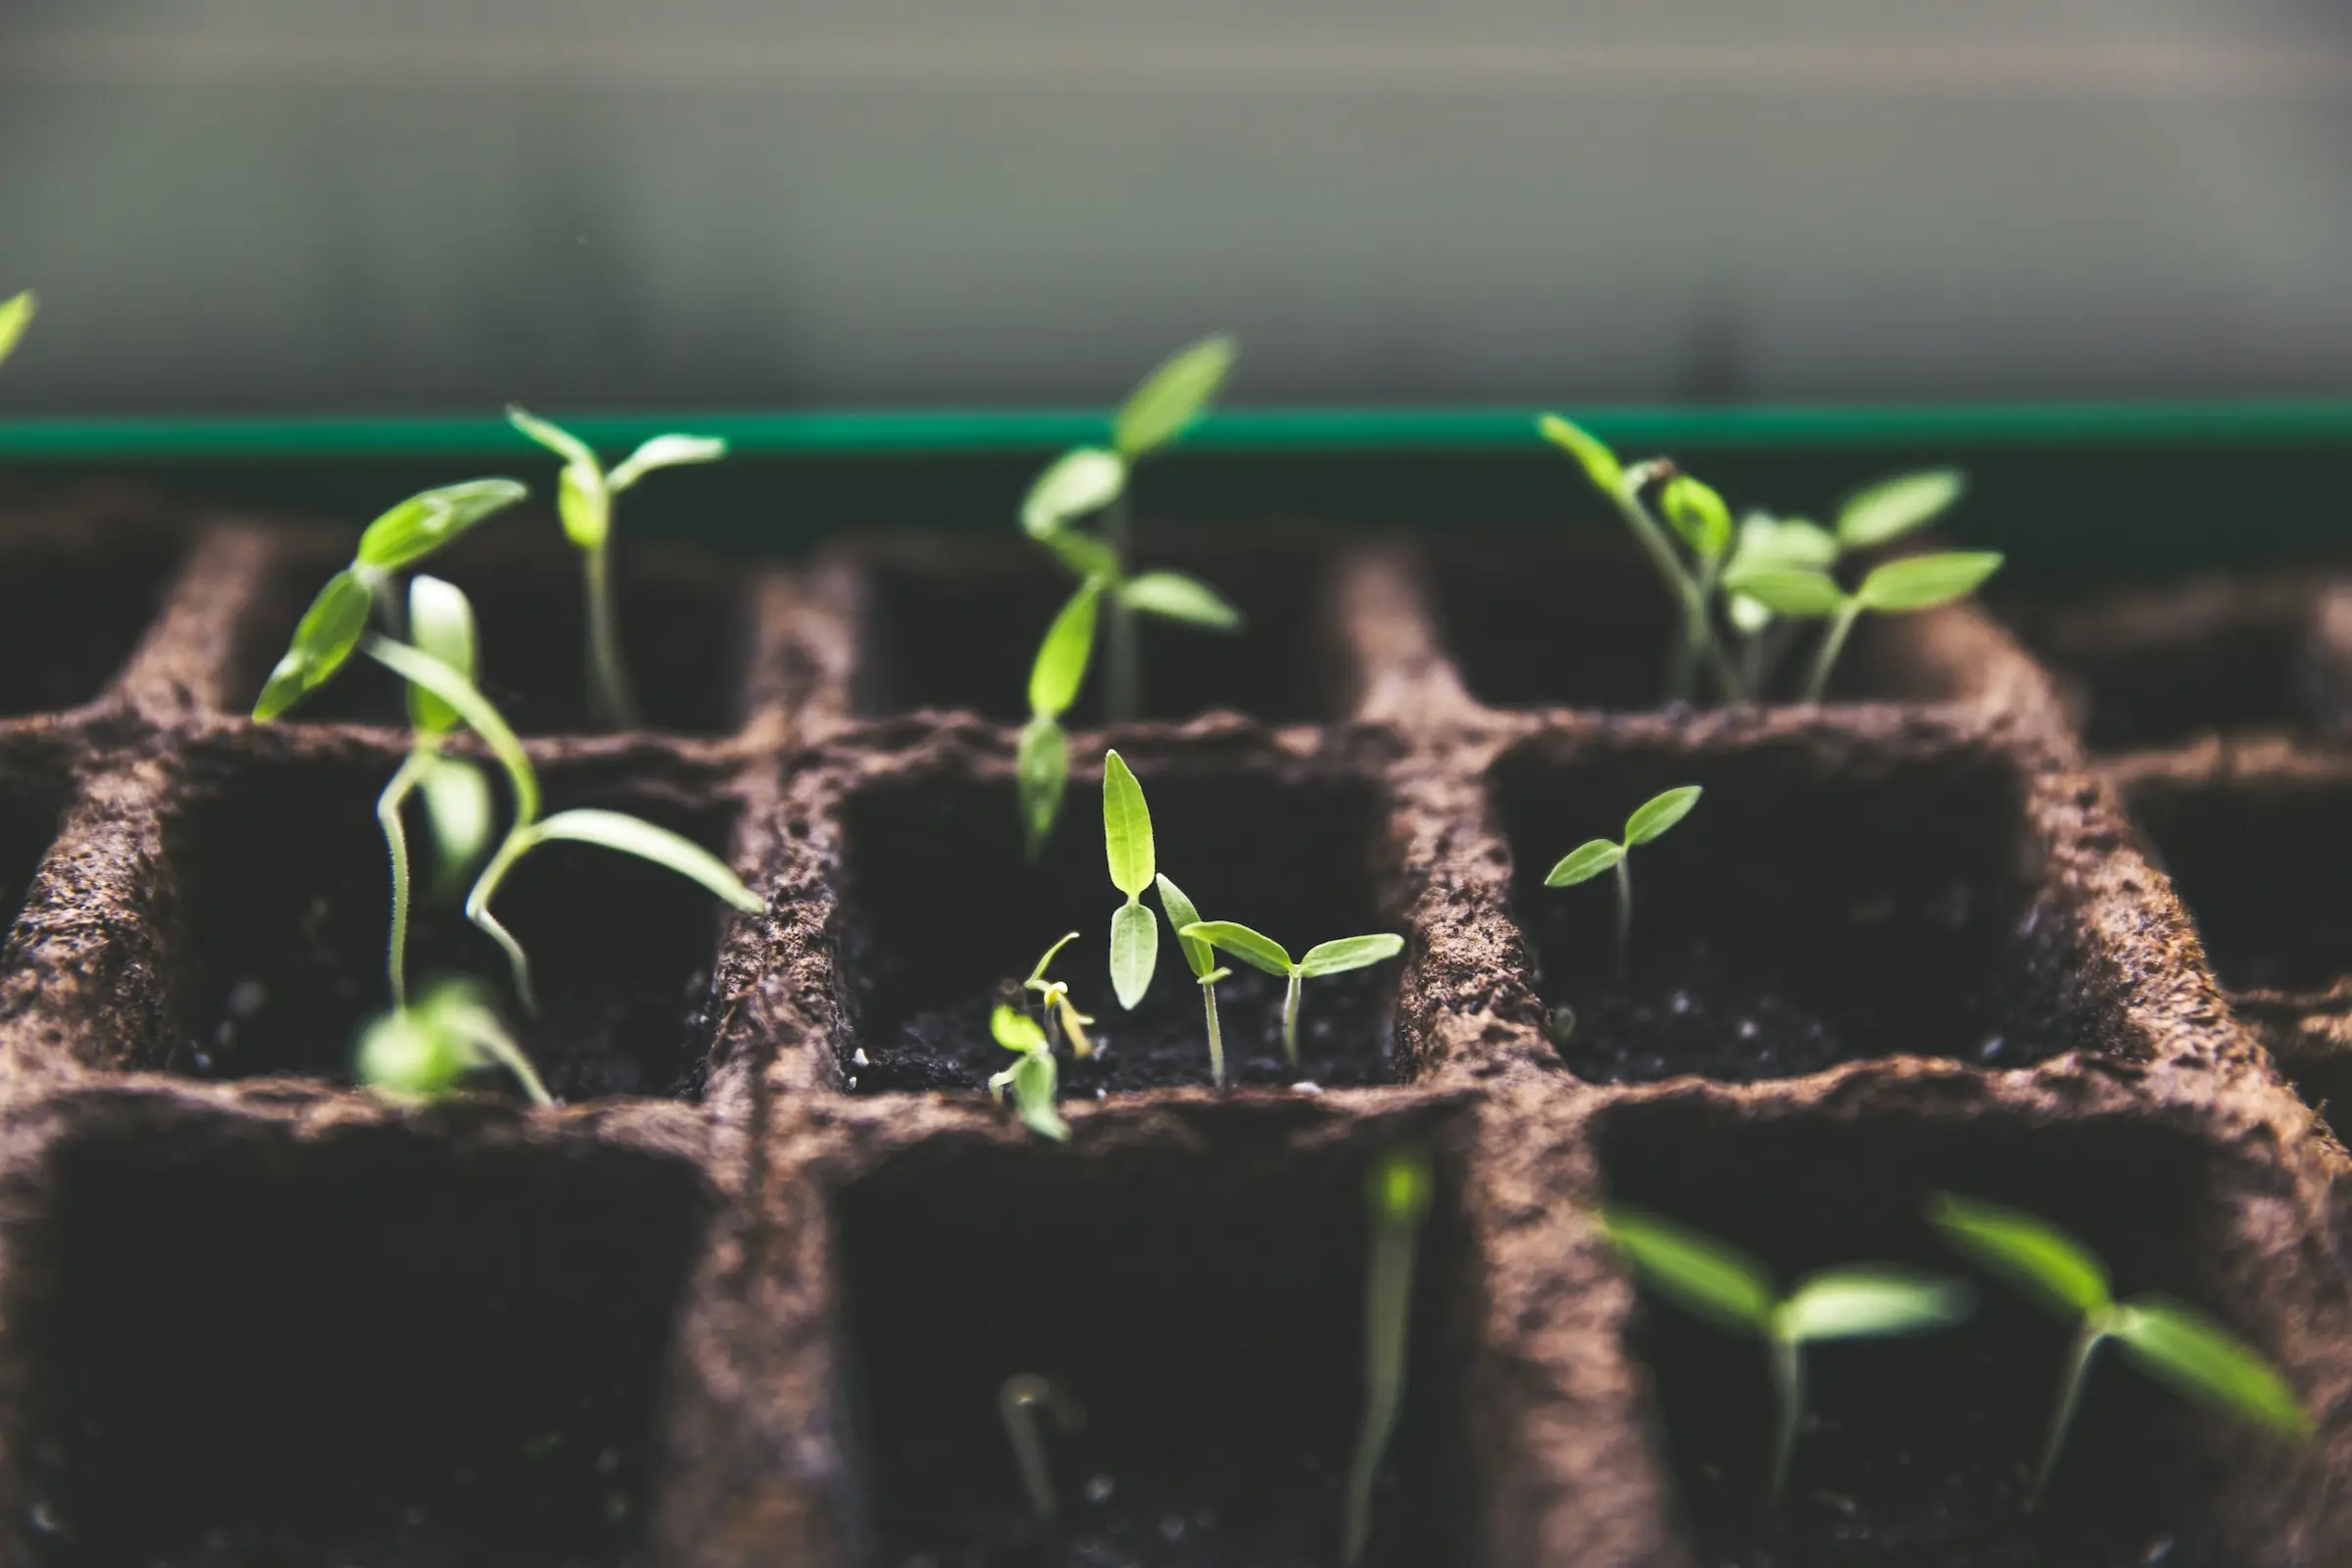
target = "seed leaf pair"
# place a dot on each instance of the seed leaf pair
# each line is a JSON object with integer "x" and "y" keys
{"x": 1033, "y": 1077}
{"x": 1262, "y": 951}
{"x": 1650, "y": 820}
{"x": 1898, "y": 587}
{"x": 1127, "y": 846}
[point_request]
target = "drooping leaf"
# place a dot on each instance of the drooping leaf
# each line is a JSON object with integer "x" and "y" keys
{"x": 1922, "y": 582}
{"x": 1037, "y": 976}
{"x": 1199, "y": 956}
{"x": 440, "y": 623}
{"x": 1348, "y": 952}
{"x": 1653, "y": 816}
{"x": 1172, "y": 596}
{"x": 1697, "y": 1272}
{"x": 16, "y": 314}
{"x": 1399, "y": 1187}
{"x": 431, "y": 518}
{"x": 1042, "y": 768}
{"x": 1172, "y": 396}
{"x": 1694, "y": 511}
{"x": 673, "y": 851}
{"x": 481, "y": 716}
{"x": 1015, "y": 1030}
{"x": 457, "y": 805}
{"x": 2201, "y": 1359}
{"x": 1884, "y": 511}
{"x": 1061, "y": 658}
{"x": 1585, "y": 862}
{"x": 1231, "y": 936}
{"x": 322, "y": 643}
{"x": 664, "y": 452}
{"x": 574, "y": 451}
{"x": 1081, "y": 480}
{"x": 2028, "y": 1253}
{"x": 1873, "y": 1303}
{"x": 1126, "y": 828}
{"x": 1599, "y": 462}
{"x": 1084, "y": 555}
{"x": 585, "y": 507}
{"x": 1134, "y": 953}
{"x": 1788, "y": 590}
{"x": 1035, "y": 1080}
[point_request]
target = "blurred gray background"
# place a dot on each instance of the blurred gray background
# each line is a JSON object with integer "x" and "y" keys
{"x": 294, "y": 205}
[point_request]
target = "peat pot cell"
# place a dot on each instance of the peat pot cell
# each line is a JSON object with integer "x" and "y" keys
{"x": 283, "y": 907}
{"x": 374, "y": 1348}
{"x": 958, "y": 628}
{"x": 73, "y": 608}
{"x": 1579, "y": 618}
{"x": 943, "y": 918}
{"x": 684, "y": 629}
{"x": 1202, "y": 1305}
{"x": 1824, "y": 901}
{"x": 1922, "y": 1452}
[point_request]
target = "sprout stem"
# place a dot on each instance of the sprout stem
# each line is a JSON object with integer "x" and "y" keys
{"x": 1216, "y": 1037}
{"x": 1017, "y": 1405}
{"x": 1698, "y": 635}
{"x": 1624, "y": 915}
{"x": 2069, "y": 1397}
{"x": 396, "y": 841}
{"x": 1123, "y": 681}
{"x": 1832, "y": 642}
{"x": 1388, "y": 1316}
{"x": 609, "y": 698}
{"x": 1788, "y": 1384}
{"x": 1290, "y": 1018}
{"x": 477, "y": 910}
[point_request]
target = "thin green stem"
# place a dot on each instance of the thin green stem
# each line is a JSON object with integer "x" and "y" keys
{"x": 477, "y": 910}
{"x": 610, "y": 696}
{"x": 1697, "y": 633}
{"x": 1387, "y": 1315}
{"x": 1123, "y": 676}
{"x": 396, "y": 841}
{"x": 2087, "y": 1339}
{"x": 1624, "y": 915}
{"x": 1290, "y": 1018}
{"x": 1788, "y": 1387}
{"x": 1832, "y": 642}
{"x": 1216, "y": 1036}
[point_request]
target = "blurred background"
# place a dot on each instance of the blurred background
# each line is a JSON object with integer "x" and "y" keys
{"x": 290, "y": 205}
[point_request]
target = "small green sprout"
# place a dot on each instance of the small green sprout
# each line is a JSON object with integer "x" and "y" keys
{"x": 1043, "y": 764}
{"x": 1899, "y": 587}
{"x": 1018, "y": 1399}
{"x": 16, "y": 314}
{"x": 1127, "y": 846}
{"x": 2179, "y": 1346}
{"x": 1053, "y": 1001}
{"x": 1398, "y": 1192}
{"x": 1033, "y": 1077}
{"x": 584, "y": 501}
{"x": 1718, "y": 1282}
{"x": 1324, "y": 958}
{"x": 422, "y": 1052}
{"x": 1202, "y": 959}
{"x": 1650, "y": 820}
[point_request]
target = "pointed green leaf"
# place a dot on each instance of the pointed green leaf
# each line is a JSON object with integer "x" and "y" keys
{"x": 1015, "y": 1030}
{"x": 585, "y": 507}
{"x": 322, "y": 643}
{"x": 1199, "y": 955}
{"x": 1870, "y": 1302}
{"x": 2202, "y": 1360}
{"x": 1172, "y": 396}
{"x": 1348, "y": 952}
{"x": 1037, "y": 975}
{"x": 1042, "y": 769}
{"x": 1788, "y": 590}
{"x": 1061, "y": 658}
{"x": 431, "y": 518}
{"x": 457, "y": 806}
{"x": 1600, "y": 463}
{"x": 673, "y": 851}
{"x": 1892, "y": 507}
{"x": 574, "y": 451}
{"x": 1231, "y": 936}
{"x": 1922, "y": 582}
{"x": 481, "y": 716}
{"x": 1126, "y": 828}
{"x": 1711, "y": 1278}
{"x": 440, "y": 623}
{"x": 1036, "y": 1079}
{"x": 1696, "y": 512}
{"x": 1134, "y": 953}
{"x": 16, "y": 314}
{"x": 664, "y": 452}
{"x": 1081, "y": 480}
{"x": 2027, "y": 1251}
{"x": 1653, "y": 816}
{"x": 1172, "y": 596}
{"x": 1585, "y": 862}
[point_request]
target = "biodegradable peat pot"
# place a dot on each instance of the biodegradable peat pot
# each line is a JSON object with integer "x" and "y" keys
{"x": 748, "y": 1297}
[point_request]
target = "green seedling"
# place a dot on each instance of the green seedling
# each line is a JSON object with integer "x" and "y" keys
{"x": 1127, "y": 846}
{"x": 1018, "y": 1402}
{"x": 1650, "y": 820}
{"x": 584, "y": 502}
{"x": 1033, "y": 1077}
{"x": 1053, "y": 1002}
{"x": 1398, "y": 1192}
{"x": 2178, "y": 1345}
{"x": 1042, "y": 765}
{"x": 1201, "y": 959}
{"x": 1264, "y": 953}
{"x": 1730, "y": 1290}
{"x": 1899, "y": 587}
{"x": 16, "y": 314}
{"x": 422, "y": 1052}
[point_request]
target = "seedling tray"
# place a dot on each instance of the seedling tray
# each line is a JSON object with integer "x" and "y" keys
{"x": 747, "y": 1297}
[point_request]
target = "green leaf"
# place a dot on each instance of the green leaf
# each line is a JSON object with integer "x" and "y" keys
{"x": 1790, "y": 542}
{"x": 2027, "y": 1251}
{"x": 1348, "y": 952}
{"x": 1126, "y": 828}
{"x": 322, "y": 643}
{"x": 1199, "y": 955}
{"x": 1231, "y": 936}
{"x": 1749, "y": 617}
{"x": 1886, "y": 510}
{"x": 1035, "y": 1079}
{"x": 673, "y": 851}
{"x": 1134, "y": 953}
{"x": 16, "y": 314}
{"x": 1172, "y": 396}
{"x": 1696, "y": 512}
{"x": 1037, "y": 975}
{"x": 431, "y": 518}
{"x": 406, "y": 1054}
{"x": 1400, "y": 1188}
{"x": 1042, "y": 769}
{"x": 664, "y": 452}
{"x": 1871, "y": 1302}
{"x": 1696, "y": 1271}
{"x": 574, "y": 451}
{"x": 459, "y": 1007}
{"x": 1788, "y": 590}
{"x": 1922, "y": 582}
{"x": 1081, "y": 480}
{"x": 1015, "y": 1030}
{"x": 1653, "y": 816}
{"x": 1600, "y": 463}
{"x": 1585, "y": 862}
{"x": 1086, "y": 556}
{"x": 440, "y": 623}
{"x": 456, "y": 805}
{"x": 584, "y": 506}
{"x": 1061, "y": 658}
{"x": 1172, "y": 596}
{"x": 2200, "y": 1360}
{"x": 457, "y": 692}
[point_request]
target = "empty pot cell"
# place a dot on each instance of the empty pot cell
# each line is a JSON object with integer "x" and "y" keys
{"x": 73, "y": 603}
{"x": 1834, "y": 896}
{"x": 942, "y": 918}
{"x": 253, "y": 1347}
{"x": 1922, "y": 1452}
{"x": 284, "y": 909}
{"x": 1200, "y": 1300}
{"x": 958, "y": 627}
{"x": 684, "y": 630}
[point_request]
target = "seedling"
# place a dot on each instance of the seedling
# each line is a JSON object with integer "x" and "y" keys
{"x": 1127, "y": 846}
{"x": 1033, "y": 1077}
{"x": 1650, "y": 820}
{"x": 1202, "y": 959}
{"x": 422, "y": 1052}
{"x": 1264, "y": 953}
{"x": 1018, "y": 1400}
{"x": 1716, "y": 1281}
{"x": 1397, "y": 1190}
{"x": 1053, "y": 1001}
{"x": 16, "y": 314}
{"x": 584, "y": 502}
{"x": 2178, "y": 1345}
{"x": 1899, "y": 587}
{"x": 1043, "y": 764}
